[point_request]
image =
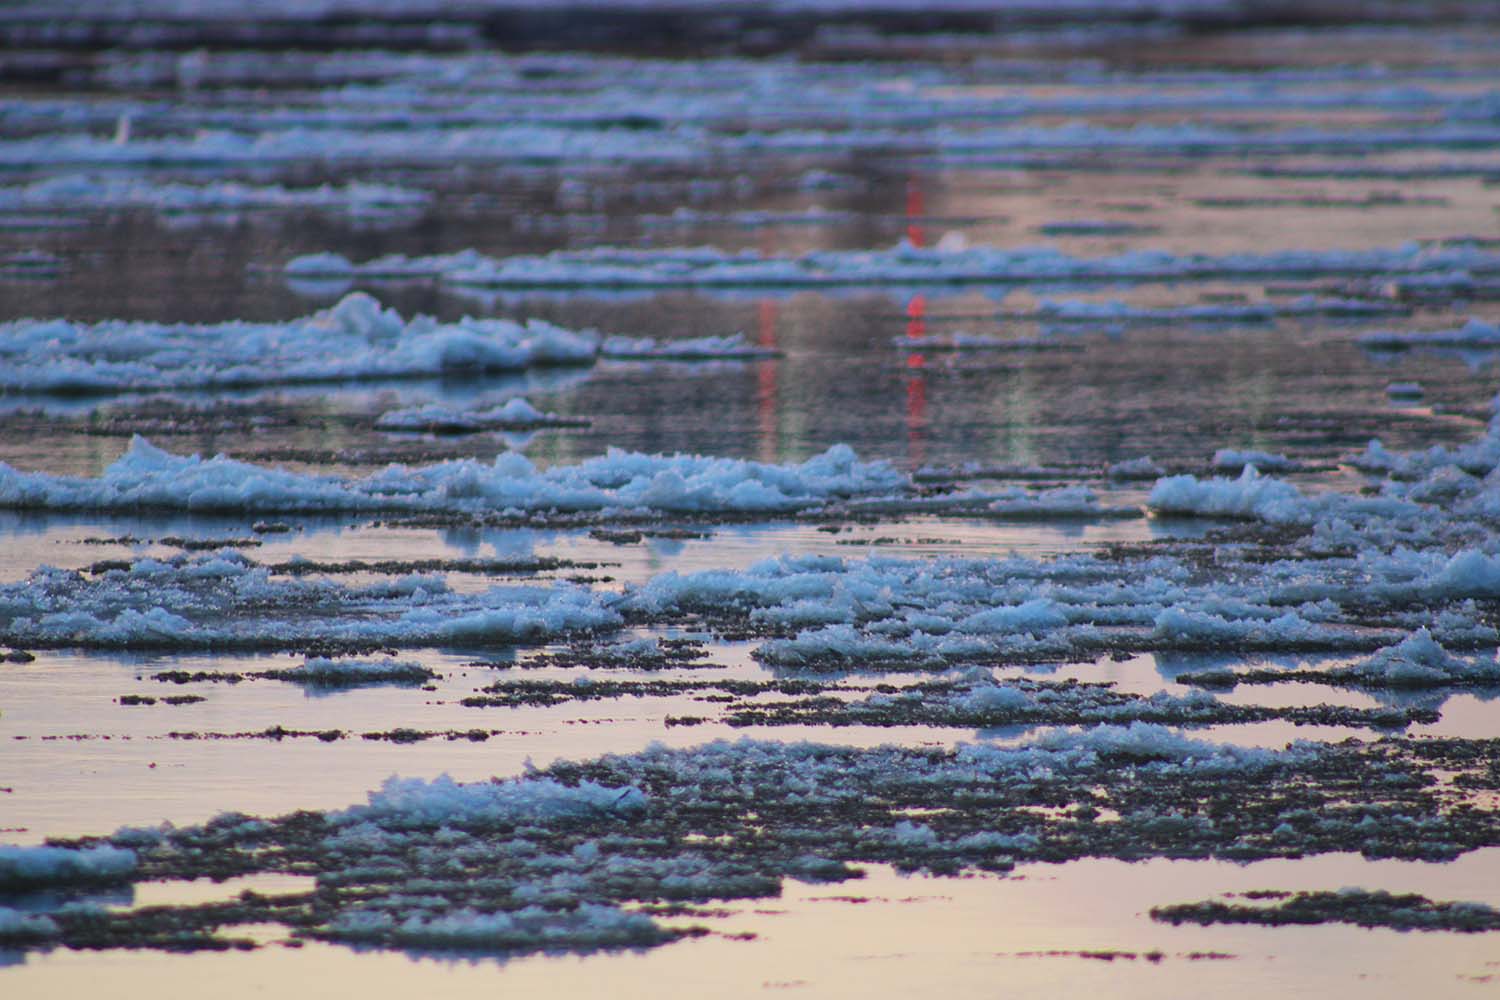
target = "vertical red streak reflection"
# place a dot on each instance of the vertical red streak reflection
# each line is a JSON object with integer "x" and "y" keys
{"x": 915, "y": 209}
{"x": 916, "y": 384}
{"x": 916, "y": 412}
{"x": 766, "y": 375}
{"x": 916, "y": 316}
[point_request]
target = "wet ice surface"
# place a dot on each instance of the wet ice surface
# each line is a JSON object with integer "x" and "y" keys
{"x": 1039, "y": 299}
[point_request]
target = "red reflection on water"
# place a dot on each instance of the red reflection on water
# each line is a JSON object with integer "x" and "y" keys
{"x": 915, "y": 209}
{"x": 916, "y": 412}
{"x": 916, "y": 316}
{"x": 766, "y": 375}
{"x": 916, "y": 383}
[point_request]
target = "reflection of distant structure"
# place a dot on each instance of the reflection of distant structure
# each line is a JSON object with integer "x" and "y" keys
{"x": 914, "y": 212}
{"x": 765, "y": 381}
{"x": 916, "y": 384}
{"x": 916, "y": 328}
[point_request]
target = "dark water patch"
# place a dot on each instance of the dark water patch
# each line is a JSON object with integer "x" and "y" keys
{"x": 1361, "y": 907}
{"x": 176, "y": 699}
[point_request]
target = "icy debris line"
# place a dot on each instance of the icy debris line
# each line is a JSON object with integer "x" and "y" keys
{"x": 346, "y": 146}
{"x": 561, "y": 141}
{"x": 354, "y": 339}
{"x": 226, "y": 602}
{"x": 1232, "y": 460}
{"x": 902, "y": 264}
{"x": 83, "y": 192}
{"x": 1012, "y": 502}
{"x": 1087, "y": 312}
{"x": 146, "y": 476}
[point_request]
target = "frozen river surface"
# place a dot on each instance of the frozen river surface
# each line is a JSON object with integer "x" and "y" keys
{"x": 852, "y": 507}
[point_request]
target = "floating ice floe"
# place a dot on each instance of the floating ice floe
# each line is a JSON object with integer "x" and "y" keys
{"x": 706, "y": 267}
{"x": 20, "y": 927}
{"x": 981, "y": 342}
{"x": 1233, "y": 459}
{"x": 26, "y": 868}
{"x": 1135, "y": 468}
{"x": 226, "y": 602}
{"x": 325, "y": 672}
{"x": 1419, "y": 660}
{"x": 1253, "y": 496}
{"x": 514, "y": 414}
{"x": 730, "y": 347}
{"x": 587, "y": 926}
{"x": 355, "y": 339}
{"x": 1064, "y": 501}
{"x": 147, "y": 477}
{"x": 408, "y": 803}
{"x": 1011, "y": 503}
